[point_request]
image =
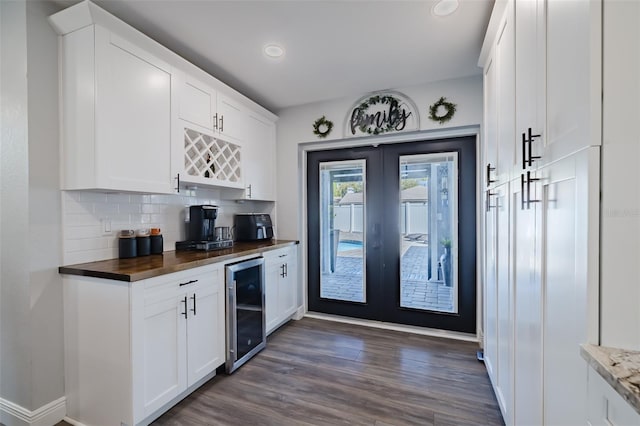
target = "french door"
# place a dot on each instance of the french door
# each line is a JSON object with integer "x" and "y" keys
{"x": 392, "y": 233}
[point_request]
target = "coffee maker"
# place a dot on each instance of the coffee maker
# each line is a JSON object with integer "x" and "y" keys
{"x": 201, "y": 230}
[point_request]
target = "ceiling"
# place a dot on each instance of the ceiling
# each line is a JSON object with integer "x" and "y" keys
{"x": 333, "y": 48}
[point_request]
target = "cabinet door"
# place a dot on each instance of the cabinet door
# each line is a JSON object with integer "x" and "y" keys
{"x": 165, "y": 349}
{"x": 491, "y": 290}
{"x": 231, "y": 119}
{"x": 568, "y": 231}
{"x": 258, "y": 159}
{"x": 271, "y": 293}
{"x": 504, "y": 304}
{"x": 505, "y": 85}
{"x": 205, "y": 326}
{"x": 196, "y": 101}
{"x": 606, "y": 406}
{"x": 573, "y": 77}
{"x": 491, "y": 121}
{"x": 530, "y": 73}
{"x": 288, "y": 287}
{"x": 527, "y": 307}
{"x": 133, "y": 117}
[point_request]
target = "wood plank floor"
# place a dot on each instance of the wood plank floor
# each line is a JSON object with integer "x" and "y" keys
{"x": 316, "y": 372}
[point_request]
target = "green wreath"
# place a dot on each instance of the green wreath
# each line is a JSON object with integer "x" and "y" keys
{"x": 448, "y": 106}
{"x": 322, "y": 122}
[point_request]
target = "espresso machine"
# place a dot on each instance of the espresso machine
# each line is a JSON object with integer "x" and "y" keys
{"x": 202, "y": 232}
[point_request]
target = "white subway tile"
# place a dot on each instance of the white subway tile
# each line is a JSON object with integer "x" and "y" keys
{"x": 118, "y": 198}
{"x": 76, "y": 232}
{"x": 93, "y": 197}
{"x": 129, "y": 208}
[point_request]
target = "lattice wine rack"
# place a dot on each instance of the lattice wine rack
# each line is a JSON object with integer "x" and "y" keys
{"x": 211, "y": 158}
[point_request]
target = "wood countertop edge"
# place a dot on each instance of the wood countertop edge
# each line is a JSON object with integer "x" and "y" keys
{"x": 92, "y": 269}
{"x": 616, "y": 375}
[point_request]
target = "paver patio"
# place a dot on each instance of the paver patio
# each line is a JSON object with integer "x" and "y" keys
{"x": 417, "y": 292}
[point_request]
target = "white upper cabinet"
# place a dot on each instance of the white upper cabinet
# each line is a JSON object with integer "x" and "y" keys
{"x": 231, "y": 119}
{"x": 505, "y": 57}
{"x": 530, "y": 81}
{"x": 203, "y": 109}
{"x": 573, "y": 77}
{"x": 116, "y": 114}
{"x": 499, "y": 103}
{"x": 259, "y": 151}
{"x": 137, "y": 117}
{"x": 196, "y": 101}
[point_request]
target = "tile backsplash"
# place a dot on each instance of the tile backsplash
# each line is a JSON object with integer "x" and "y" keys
{"x": 91, "y": 220}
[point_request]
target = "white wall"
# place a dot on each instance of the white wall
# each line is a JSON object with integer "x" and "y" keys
{"x": 15, "y": 382}
{"x": 295, "y": 127}
{"x": 31, "y": 363}
{"x": 620, "y": 219}
{"x": 44, "y": 232}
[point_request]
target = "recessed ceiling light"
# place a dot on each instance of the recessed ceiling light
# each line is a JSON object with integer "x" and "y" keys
{"x": 445, "y": 7}
{"x": 273, "y": 51}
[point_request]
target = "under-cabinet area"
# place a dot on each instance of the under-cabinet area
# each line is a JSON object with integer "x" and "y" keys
{"x": 140, "y": 337}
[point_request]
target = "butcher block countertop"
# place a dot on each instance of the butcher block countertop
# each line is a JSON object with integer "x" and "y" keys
{"x": 618, "y": 367}
{"x": 140, "y": 268}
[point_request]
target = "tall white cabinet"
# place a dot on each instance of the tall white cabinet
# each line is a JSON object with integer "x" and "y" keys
{"x": 541, "y": 157}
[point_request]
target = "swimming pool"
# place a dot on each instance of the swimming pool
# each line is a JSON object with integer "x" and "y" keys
{"x": 349, "y": 245}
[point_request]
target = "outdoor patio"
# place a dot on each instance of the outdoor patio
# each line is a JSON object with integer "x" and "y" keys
{"x": 345, "y": 283}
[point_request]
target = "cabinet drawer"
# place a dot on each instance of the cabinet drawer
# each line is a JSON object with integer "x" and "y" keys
{"x": 159, "y": 288}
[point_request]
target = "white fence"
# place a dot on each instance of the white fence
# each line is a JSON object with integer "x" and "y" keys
{"x": 413, "y": 218}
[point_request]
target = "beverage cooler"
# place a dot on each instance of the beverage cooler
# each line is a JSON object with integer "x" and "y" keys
{"x": 246, "y": 326}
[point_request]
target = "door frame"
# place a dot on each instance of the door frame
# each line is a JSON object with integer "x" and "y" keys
{"x": 425, "y": 135}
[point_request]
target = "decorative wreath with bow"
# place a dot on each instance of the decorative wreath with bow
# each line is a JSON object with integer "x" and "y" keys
{"x": 449, "y": 107}
{"x": 322, "y": 127}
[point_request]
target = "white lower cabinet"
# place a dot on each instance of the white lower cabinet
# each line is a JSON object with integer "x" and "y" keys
{"x": 134, "y": 349}
{"x": 280, "y": 286}
{"x": 605, "y": 406}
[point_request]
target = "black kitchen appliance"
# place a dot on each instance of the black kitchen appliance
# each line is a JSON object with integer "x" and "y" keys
{"x": 246, "y": 324}
{"x": 253, "y": 227}
{"x": 201, "y": 230}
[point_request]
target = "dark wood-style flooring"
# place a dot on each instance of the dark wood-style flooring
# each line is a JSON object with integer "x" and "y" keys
{"x": 316, "y": 372}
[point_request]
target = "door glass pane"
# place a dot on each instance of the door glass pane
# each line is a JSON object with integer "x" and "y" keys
{"x": 342, "y": 225}
{"x": 428, "y": 224}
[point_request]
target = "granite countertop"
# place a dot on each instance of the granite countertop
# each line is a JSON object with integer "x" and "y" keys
{"x": 618, "y": 367}
{"x": 140, "y": 268}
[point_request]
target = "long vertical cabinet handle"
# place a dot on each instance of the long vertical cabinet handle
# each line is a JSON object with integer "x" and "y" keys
{"x": 529, "y": 180}
{"x": 249, "y": 191}
{"x": 185, "y": 307}
{"x": 532, "y": 158}
{"x": 286, "y": 269}
{"x": 194, "y": 304}
{"x": 523, "y": 182}
{"x": 489, "y": 170}
{"x": 488, "y": 200}
{"x": 524, "y": 151}
{"x": 221, "y": 123}
{"x": 215, "y": 121}
{"x": 177, "y": 178}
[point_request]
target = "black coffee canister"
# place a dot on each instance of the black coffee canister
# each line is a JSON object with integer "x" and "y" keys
{"x": 156, "y": 241}
{"x": 143, "y": 242}
{"x": 127, "y": 245}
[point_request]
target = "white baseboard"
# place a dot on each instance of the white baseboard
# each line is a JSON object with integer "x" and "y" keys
{"x": 396, "y": 327}
{"x": 73, "y": 422}
{"x": 298, "y": 314}
{"x": 15, "y": 415}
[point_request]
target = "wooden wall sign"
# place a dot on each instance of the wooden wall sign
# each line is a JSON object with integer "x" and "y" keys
{"x": 382, "y": 112}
